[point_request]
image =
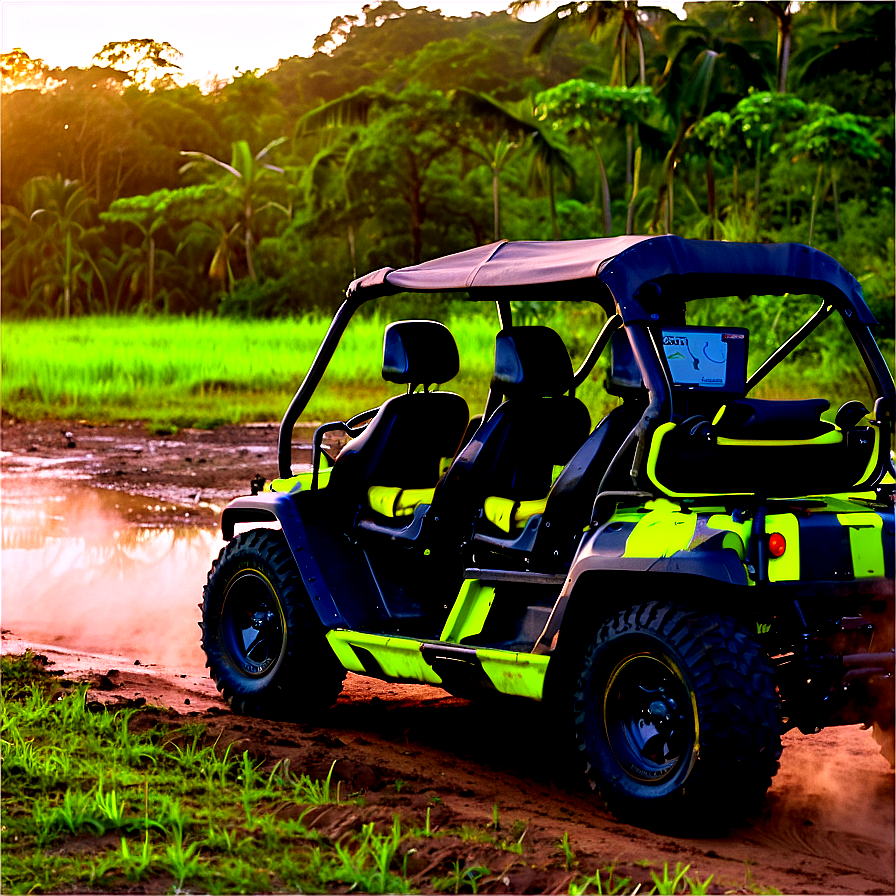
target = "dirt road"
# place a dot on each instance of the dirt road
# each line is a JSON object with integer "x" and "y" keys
{"x": 826, "y": 827}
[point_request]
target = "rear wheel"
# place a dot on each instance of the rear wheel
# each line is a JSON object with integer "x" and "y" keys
{"x": 264, "y": 646}
{"x": 677, "y": 716}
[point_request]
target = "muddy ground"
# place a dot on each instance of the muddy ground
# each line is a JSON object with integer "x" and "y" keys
{"x": 827, "y": 825}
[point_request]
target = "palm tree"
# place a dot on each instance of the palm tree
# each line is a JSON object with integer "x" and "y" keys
{"x": 351, "y": 109}
{"x": 783, "y": 13}
{"x": 829, "y": 138}
{"x": 581, "y": 106}
{"x": 146, "y": 214}
{"x": 249, "y": 175}
{"x": 703, "y": 74}
{"x": 549, "y": 153}
{"x": 409, "y": 135}
{"x": 49, "y": 229}
{"x": 22, "y": 238}
{"x": 326, "y": 189}
{"x": 856, "y": 43}
{"x": 594, "y": 15}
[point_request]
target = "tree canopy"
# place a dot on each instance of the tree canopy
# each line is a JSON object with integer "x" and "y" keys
{"x": 409, "y": 133}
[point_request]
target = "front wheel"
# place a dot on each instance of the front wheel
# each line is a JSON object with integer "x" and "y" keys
{"x": 677, "y": 716}
{"x": 264, "y": 646}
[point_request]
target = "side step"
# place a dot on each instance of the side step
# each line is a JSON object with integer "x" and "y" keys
{"x": 512, "y": 575}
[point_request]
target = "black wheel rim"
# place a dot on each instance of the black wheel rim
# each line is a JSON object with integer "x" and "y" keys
{"x": 650, "y": 722}
{"x": 252, "y": 623}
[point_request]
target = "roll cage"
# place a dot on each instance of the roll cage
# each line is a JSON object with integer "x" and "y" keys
{"x": 641, "y": 283}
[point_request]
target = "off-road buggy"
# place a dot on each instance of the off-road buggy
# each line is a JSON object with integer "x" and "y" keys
{"x": 683, "y": 581}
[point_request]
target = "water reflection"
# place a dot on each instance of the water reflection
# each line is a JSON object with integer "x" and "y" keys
{"x": 75, "y": 573}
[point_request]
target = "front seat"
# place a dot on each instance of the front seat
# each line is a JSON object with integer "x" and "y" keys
{"x": 394, "y": 465}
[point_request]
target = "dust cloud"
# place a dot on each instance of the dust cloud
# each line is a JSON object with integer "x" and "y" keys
{"x": 833, "y": 798}
{"x": 75, "y": 573}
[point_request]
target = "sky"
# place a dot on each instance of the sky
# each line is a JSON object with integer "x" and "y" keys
{"x": 215, "y": 36}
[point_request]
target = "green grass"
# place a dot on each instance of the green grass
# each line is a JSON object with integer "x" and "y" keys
{"x": 204, "y": 371}
{"x": 182, "y": 372}
{"x": 93, "y": 802}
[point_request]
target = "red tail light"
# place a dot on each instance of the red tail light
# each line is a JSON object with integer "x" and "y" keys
{"x": 777, "y": 544}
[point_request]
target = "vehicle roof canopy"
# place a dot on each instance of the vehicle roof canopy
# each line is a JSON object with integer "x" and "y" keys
{"x": 635, "y": 273}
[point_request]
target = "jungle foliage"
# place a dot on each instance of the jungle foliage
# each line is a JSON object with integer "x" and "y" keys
{"x": 409, "y": 134}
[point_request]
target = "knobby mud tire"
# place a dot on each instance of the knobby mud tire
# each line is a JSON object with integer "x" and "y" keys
{"x": 717, "y": 743}
{"x": 265, "y": 648}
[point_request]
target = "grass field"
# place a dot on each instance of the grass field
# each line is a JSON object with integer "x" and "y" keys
{"x": 206, "y": 371}
{"x": 202, "y": 372}
{"x": 194, "y": 371}
{"x": 98, "y": 800}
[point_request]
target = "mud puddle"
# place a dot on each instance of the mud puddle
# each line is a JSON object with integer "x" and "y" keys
{"x": 79, "y": 573}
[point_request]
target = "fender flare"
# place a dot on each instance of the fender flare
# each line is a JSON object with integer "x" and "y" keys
{"x": 708, "y": 562}
{"x": 279, "y": 507}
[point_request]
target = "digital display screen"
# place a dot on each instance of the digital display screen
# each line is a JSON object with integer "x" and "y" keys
{"x": 706, "y": 357}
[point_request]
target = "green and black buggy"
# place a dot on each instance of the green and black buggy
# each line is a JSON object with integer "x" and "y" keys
{"x": 682, "y": 582}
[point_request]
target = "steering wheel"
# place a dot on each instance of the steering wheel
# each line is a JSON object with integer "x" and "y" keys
{"x": 352, "y": 427}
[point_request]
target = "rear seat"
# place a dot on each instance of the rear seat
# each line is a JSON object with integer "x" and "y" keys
{"x": 510, "y": 463}
{"x": 772, "y": 448}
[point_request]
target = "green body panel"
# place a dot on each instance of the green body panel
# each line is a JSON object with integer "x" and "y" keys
{"x": 520, "y": 674}
{"x": 666, "y": 529}
{"x": 785, "y": 568}
{"x": 663, "y": 528}
{"x": 865, "y": 543}
{"x": 300, "y": 482}
{"x": 399, "y": 658}
{"x": 838, "y": 533}
{"x": 661, "y": 532}
{"x": 469, "y": 612}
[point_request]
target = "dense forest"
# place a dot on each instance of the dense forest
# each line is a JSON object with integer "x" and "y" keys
{"x": 409, "y": 134}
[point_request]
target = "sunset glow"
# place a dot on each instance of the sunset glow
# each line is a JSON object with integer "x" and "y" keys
{"x": 215, "y": 38}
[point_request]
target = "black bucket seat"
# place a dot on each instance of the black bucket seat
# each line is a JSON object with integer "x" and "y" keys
{"x": 386, "y": 475}
{"x": 537, "y": 428}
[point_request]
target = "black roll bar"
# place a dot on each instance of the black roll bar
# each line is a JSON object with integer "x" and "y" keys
{"x": 309, "y": 384}
{"x": 613, "y": 323}
{"x": 823, "y": 313}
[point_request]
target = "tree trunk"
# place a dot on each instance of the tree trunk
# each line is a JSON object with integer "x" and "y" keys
{"x": 151, "y": 277}
{"x": 756, "y": 185}
{"x": 495, "y": 206}
{"x": 351, "y": 251}
{"x": 623, "y": 68}
{"x": 784, "y": 37}
{"x": 99, "y": 168}
{"x": 836, "y": 203}
{"x": 642, "y": 69}
{"x": 664, "y": 199}
{"x": 814, "y": 204}
{"x": 670, "y": 199}
{"x": 555, "y": 224}
{"x": 711, "y": 194}
{"x": 630, "y": 217}
{"x": 67, "y": 284}
{"x": 416, "y": 207}
{"x": 605, "y": 193}
{"x": 248, "y": 243}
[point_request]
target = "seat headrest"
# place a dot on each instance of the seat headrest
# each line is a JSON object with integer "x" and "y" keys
{"x": 419, "y": 352}
{"x": 533, "y": 361}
